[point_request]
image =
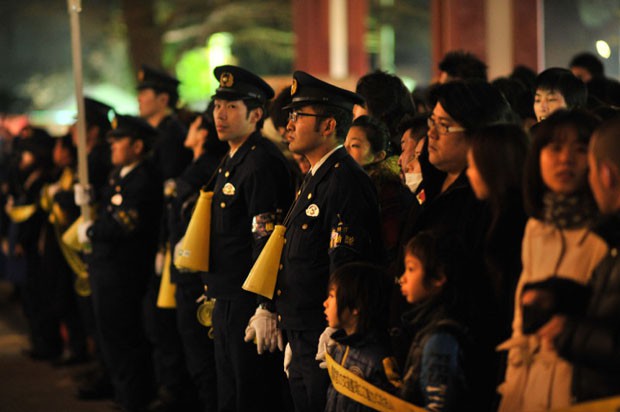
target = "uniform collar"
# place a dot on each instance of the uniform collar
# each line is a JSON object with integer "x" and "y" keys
{"x": 318, "y": 164}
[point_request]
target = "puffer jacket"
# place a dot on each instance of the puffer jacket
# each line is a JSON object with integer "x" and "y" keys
{"x": 591, "y": 342}
{"x": 445, "y": 368}
{"x": 367, "y": 357}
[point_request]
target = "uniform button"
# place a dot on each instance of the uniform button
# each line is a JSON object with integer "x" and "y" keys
{"x": 253, "y": 147}
{"x": 279, "y": 292}
{"x": 222, "y": 205}
{"x": 219, "y": 170}
{"x": 304, "y": 226}
{"x": 227, "y": 174}
{"x": 279, "y": 318}
{"x": 613, "y": 252}
{"x": 337, "y": 165}
{"x": 285, "y": 241}
{"x": 281, "y": 266}
{"x": 309, "y": 196}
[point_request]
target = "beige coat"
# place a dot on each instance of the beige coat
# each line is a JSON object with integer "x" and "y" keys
{"x": 536, "y": 378}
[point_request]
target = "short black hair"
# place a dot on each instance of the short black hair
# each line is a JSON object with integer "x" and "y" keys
{"x": 278, "y": 116}
{"x": 589, "y": 62}
{"x": 463, "y": 65}
{"x": 343, "y": 118}
{"x": 377, "y": 133}
{"x": 473, "y": 103}
{"x": 387, "y": 98}
{"x": 365, "y": 288}
{"x": 417, "y": 123}
{"x": 252, "y": 104}
{"x": 543, "y": 133}
{"x": 562, "y": 80}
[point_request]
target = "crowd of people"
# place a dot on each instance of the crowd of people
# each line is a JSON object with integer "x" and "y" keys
{"x": 454, "y": 248}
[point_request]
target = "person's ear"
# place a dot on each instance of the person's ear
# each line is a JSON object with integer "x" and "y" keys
{"x": 329, "y": 126}
{"x": 381, "y": 155}
{"x": 256, "y": 115}
{"x": 138, "y": 146}
{"x": 439, "y": 281}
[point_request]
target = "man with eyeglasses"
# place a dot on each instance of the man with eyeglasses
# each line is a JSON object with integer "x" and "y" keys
{"x": 449, "y": 209}
{"x": 335, "y": 220}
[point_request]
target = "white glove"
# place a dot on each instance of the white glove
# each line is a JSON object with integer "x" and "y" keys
{"x": 82, "y": 194}
{"x": 325, "y": 340}
{"x": 52, "y": 189}
{"x": 82, "y": 230}
{"x": 288, "y": 355}
{"x": 262, "y": 327}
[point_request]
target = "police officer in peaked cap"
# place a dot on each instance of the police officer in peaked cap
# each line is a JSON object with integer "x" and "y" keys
{"x": 123, "y": 238}
{"x": 334, "y": 220}
{"x": 252, "y": 190}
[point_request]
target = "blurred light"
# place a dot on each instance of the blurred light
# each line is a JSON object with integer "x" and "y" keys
{"x": 603, "y": 49}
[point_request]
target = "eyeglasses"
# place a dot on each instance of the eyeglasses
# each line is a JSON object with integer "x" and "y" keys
{"x": 293, "y": 116}
{"x": 442, "y": 128}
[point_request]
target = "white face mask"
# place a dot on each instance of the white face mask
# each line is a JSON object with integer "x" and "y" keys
{"x": 413, "y": 180}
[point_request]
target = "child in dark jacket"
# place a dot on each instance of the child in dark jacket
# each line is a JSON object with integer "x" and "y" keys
{"x": 357, "y": 307}
{"x": 446, "y": 369}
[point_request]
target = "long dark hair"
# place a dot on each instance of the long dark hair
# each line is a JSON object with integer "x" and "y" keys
{"x": 500, "y": 151}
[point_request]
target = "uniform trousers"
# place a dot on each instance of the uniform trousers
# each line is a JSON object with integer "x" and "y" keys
{"x": 307, "y": 381}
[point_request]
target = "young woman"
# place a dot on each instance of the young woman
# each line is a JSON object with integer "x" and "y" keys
{"x": 356, "y": 306}
{"x": 558, "y": 88}
{"x": 557, "y": 243}
{"x": 368, "y": 143}
{"x": 495, "y": 171}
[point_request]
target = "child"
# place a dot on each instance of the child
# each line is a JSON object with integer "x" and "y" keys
{"x": 443, "y": 356}
{"x": 357, "y": 307}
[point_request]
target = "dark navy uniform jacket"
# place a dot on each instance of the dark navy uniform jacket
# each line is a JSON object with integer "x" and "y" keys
{"x": 124, "y": 234}
{"x": 252, "y": 188}
{"x": 169, "y": 155}
{"x": 179, "y": 209}
{"x": 334, "y": 221}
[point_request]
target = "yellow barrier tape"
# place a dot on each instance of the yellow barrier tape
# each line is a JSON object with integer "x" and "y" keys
{"x": 600, "y": 405}
{"x": 352, "y": 386}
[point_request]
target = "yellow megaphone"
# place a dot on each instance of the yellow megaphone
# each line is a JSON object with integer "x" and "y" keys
{"x": 167, "y": 289}
{"x": 262, "y": 277}
{"x": 70, "y": 237}
{"x": 194, "y": 251}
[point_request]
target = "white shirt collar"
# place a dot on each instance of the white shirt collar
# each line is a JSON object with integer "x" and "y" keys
{"x": 323, "y": 160}
{"x": 126, "y": 169}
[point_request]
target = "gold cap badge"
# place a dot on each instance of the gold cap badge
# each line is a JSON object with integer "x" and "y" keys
{"x": 294, "y": 87}
{"x": 227, "y": 79}
{"x": 141, "y": 75}
{"x": 114, "y": 123}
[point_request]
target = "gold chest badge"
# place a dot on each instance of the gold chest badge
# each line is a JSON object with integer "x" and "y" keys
{"x": 228, "y": 189}
{"x": 117, "y": 199}
{"x": 312, "y": 210}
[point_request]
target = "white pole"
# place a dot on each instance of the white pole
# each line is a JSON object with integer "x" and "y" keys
{"x": 75, "y": 7}
{"x": 338, "y": 39}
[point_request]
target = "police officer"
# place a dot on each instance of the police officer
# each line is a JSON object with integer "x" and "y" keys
{"x": 197, "y": 345}
{"x": 123, "y": 238}
{"x": 252, "y": 189}
{"x": 157, "y": 99}
{"x": 334, "y": 220}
